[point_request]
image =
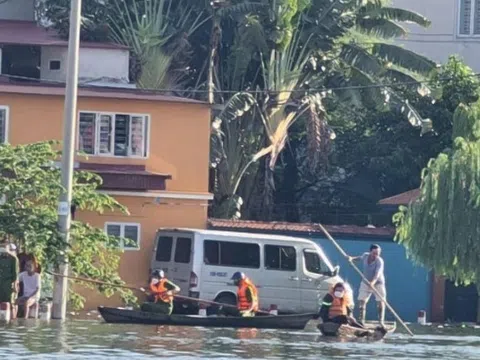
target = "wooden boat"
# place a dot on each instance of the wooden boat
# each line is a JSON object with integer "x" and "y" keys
{"x": 125, "y": 316}
{"x": 373, "y": 331}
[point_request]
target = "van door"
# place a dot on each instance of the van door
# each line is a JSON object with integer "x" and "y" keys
{"x": 280, "y": 284}
{"x": 313, "y": 283}
{"x": 182, "y": 263}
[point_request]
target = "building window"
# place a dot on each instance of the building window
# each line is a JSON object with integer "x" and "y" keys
{"x": 54, "y": 65}
{"x": 125, "y": 231}
{"x": 107, "y": 134}
{"x": 3, "y": 124}
{"x": 469, "y": 17}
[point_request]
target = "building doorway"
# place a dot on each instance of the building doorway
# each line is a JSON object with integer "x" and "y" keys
{"x": 461, "y": 302}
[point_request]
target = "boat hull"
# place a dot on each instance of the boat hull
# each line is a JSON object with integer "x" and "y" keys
{"x": 125, "y": 316}
{"x": 372, "y": 331}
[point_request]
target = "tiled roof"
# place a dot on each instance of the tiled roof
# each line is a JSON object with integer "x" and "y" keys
{"x": 401, "y": 199}
{"x": 16, "y": 32}
{"x": 58, "y": 89}
{"x": 298, "y": 228}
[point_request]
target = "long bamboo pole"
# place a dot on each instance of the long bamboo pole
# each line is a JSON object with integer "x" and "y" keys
{"x": 339, "y": 248}
{"x": 99, "y": 282}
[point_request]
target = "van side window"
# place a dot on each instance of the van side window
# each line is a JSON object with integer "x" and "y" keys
{"x": 183, "y": 250}
{"x": 280, "y": 258}
{"x": 211, "y": 251}
{"x": 313, "y": 263}
{"x": 164, "y": 248}
{"x": 225, "y": 253}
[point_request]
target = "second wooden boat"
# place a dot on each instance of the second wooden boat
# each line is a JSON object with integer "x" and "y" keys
{"x": 372, "y": 331}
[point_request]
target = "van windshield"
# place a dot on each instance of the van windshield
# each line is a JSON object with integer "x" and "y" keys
{"x": 314, "y": 264}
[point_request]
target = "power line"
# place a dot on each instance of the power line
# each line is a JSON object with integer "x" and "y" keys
{"x": 205, "y": 91}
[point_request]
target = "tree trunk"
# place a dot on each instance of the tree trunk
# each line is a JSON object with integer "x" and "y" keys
{"x": 214, "y": 40}
{"x": 266, "y": 212}
{"x": 287, "y": 195}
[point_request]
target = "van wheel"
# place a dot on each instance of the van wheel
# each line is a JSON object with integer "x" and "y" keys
{"x": 228, "y": 299}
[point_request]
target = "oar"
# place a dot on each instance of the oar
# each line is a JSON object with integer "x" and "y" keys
{"x": 339, "y": 248}
{"x": 99, "y": 282}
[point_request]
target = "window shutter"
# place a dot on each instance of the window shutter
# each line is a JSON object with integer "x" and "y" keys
{"x": 114, "y": 230}
{"x": 3, "y": 125}
{"x": 137, "y": 136}
{"x": 131, "y": 232}
{"x": 476, "y": 18}
{"x": 122, "y": 128}
{"x": 87, "y": 133}
{"x": 465, "y": 16}
{"x": 105, "y": 134}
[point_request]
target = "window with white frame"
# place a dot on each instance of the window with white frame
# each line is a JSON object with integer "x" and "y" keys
{"x": 110, "y": 134}
{"x": 3, "y": 124}
{"x": 125, "y": 231}
{"x": 469, "y": 17}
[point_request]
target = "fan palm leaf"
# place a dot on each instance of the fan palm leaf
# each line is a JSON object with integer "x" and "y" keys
{"x": 145, "y": 27}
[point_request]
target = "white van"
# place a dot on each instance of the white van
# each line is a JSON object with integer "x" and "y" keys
{"x": 292, "y": 273}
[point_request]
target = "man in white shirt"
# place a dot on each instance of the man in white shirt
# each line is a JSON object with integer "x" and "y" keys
{"x": 31, "y": 288}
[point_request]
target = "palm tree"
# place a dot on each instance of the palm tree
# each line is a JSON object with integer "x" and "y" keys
{"x": 340, "y": 44}
{"x": 156, "y": 31}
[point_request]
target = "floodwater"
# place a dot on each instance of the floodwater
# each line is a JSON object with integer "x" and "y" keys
{"x": 96, "y": 340}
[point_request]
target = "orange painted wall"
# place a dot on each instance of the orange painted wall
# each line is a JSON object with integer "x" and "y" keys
{"x": 179, "y": 146}
{"x": 179, "y": 133}
{"x": 135, "y": 264}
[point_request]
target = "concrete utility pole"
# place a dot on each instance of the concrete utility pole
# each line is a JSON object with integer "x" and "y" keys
{"x": 60, "y": 290}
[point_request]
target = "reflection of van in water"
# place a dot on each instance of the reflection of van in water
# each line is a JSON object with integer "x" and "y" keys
{"x": 292, "y": 273}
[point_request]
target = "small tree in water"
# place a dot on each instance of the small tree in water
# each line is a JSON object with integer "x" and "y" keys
{"x": 30, "y": 186}
{"x": 441, "y": 228}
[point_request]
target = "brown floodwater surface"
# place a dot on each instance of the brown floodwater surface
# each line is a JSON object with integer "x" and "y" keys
{"x": 81, "y": 339}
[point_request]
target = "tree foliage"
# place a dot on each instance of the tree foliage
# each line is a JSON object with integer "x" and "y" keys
{"x": 288, "y": 66}
{"x": 285, "y": 54}
{"x": 31, "y": 186}
{"x": 376, "y": 154}
{"x": 440, "y": 229}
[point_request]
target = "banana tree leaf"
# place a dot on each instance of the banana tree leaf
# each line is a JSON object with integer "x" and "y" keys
{"x": 383, "y": 28}
{"x": 404, "y": 58}
{"x": 401, "y": 15}
{"x": 357, "y": 56}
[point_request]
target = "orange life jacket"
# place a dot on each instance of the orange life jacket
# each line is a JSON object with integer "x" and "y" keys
{"x": 160, "y": 292}
{"x": 339, "y": 306}
{"x": 243, "y": 302}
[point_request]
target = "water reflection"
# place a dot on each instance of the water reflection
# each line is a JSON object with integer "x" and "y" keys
{"x": 30, "y": 339}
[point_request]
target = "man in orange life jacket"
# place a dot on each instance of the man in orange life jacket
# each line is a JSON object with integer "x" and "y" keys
{"x": 162, "y": 292}
{"x": 337, "y": 307}
{"x": 247, "y": 295}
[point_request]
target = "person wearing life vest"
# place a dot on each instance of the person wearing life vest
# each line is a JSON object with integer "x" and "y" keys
{"x": 337, "y": 307}
{"x": 162, "y": 292}
{"x": 247, "y": 295}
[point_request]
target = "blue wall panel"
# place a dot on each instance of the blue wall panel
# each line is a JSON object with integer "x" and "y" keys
{"x": 408, "y": 285}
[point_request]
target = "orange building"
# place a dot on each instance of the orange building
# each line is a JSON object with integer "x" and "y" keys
{"x": 152, "y": 152}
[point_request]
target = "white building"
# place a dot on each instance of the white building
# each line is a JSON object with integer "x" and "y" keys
{"x": 30, "y": 51}
{"x": 455, "y": 30}
{"x": 18, "y": 10}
